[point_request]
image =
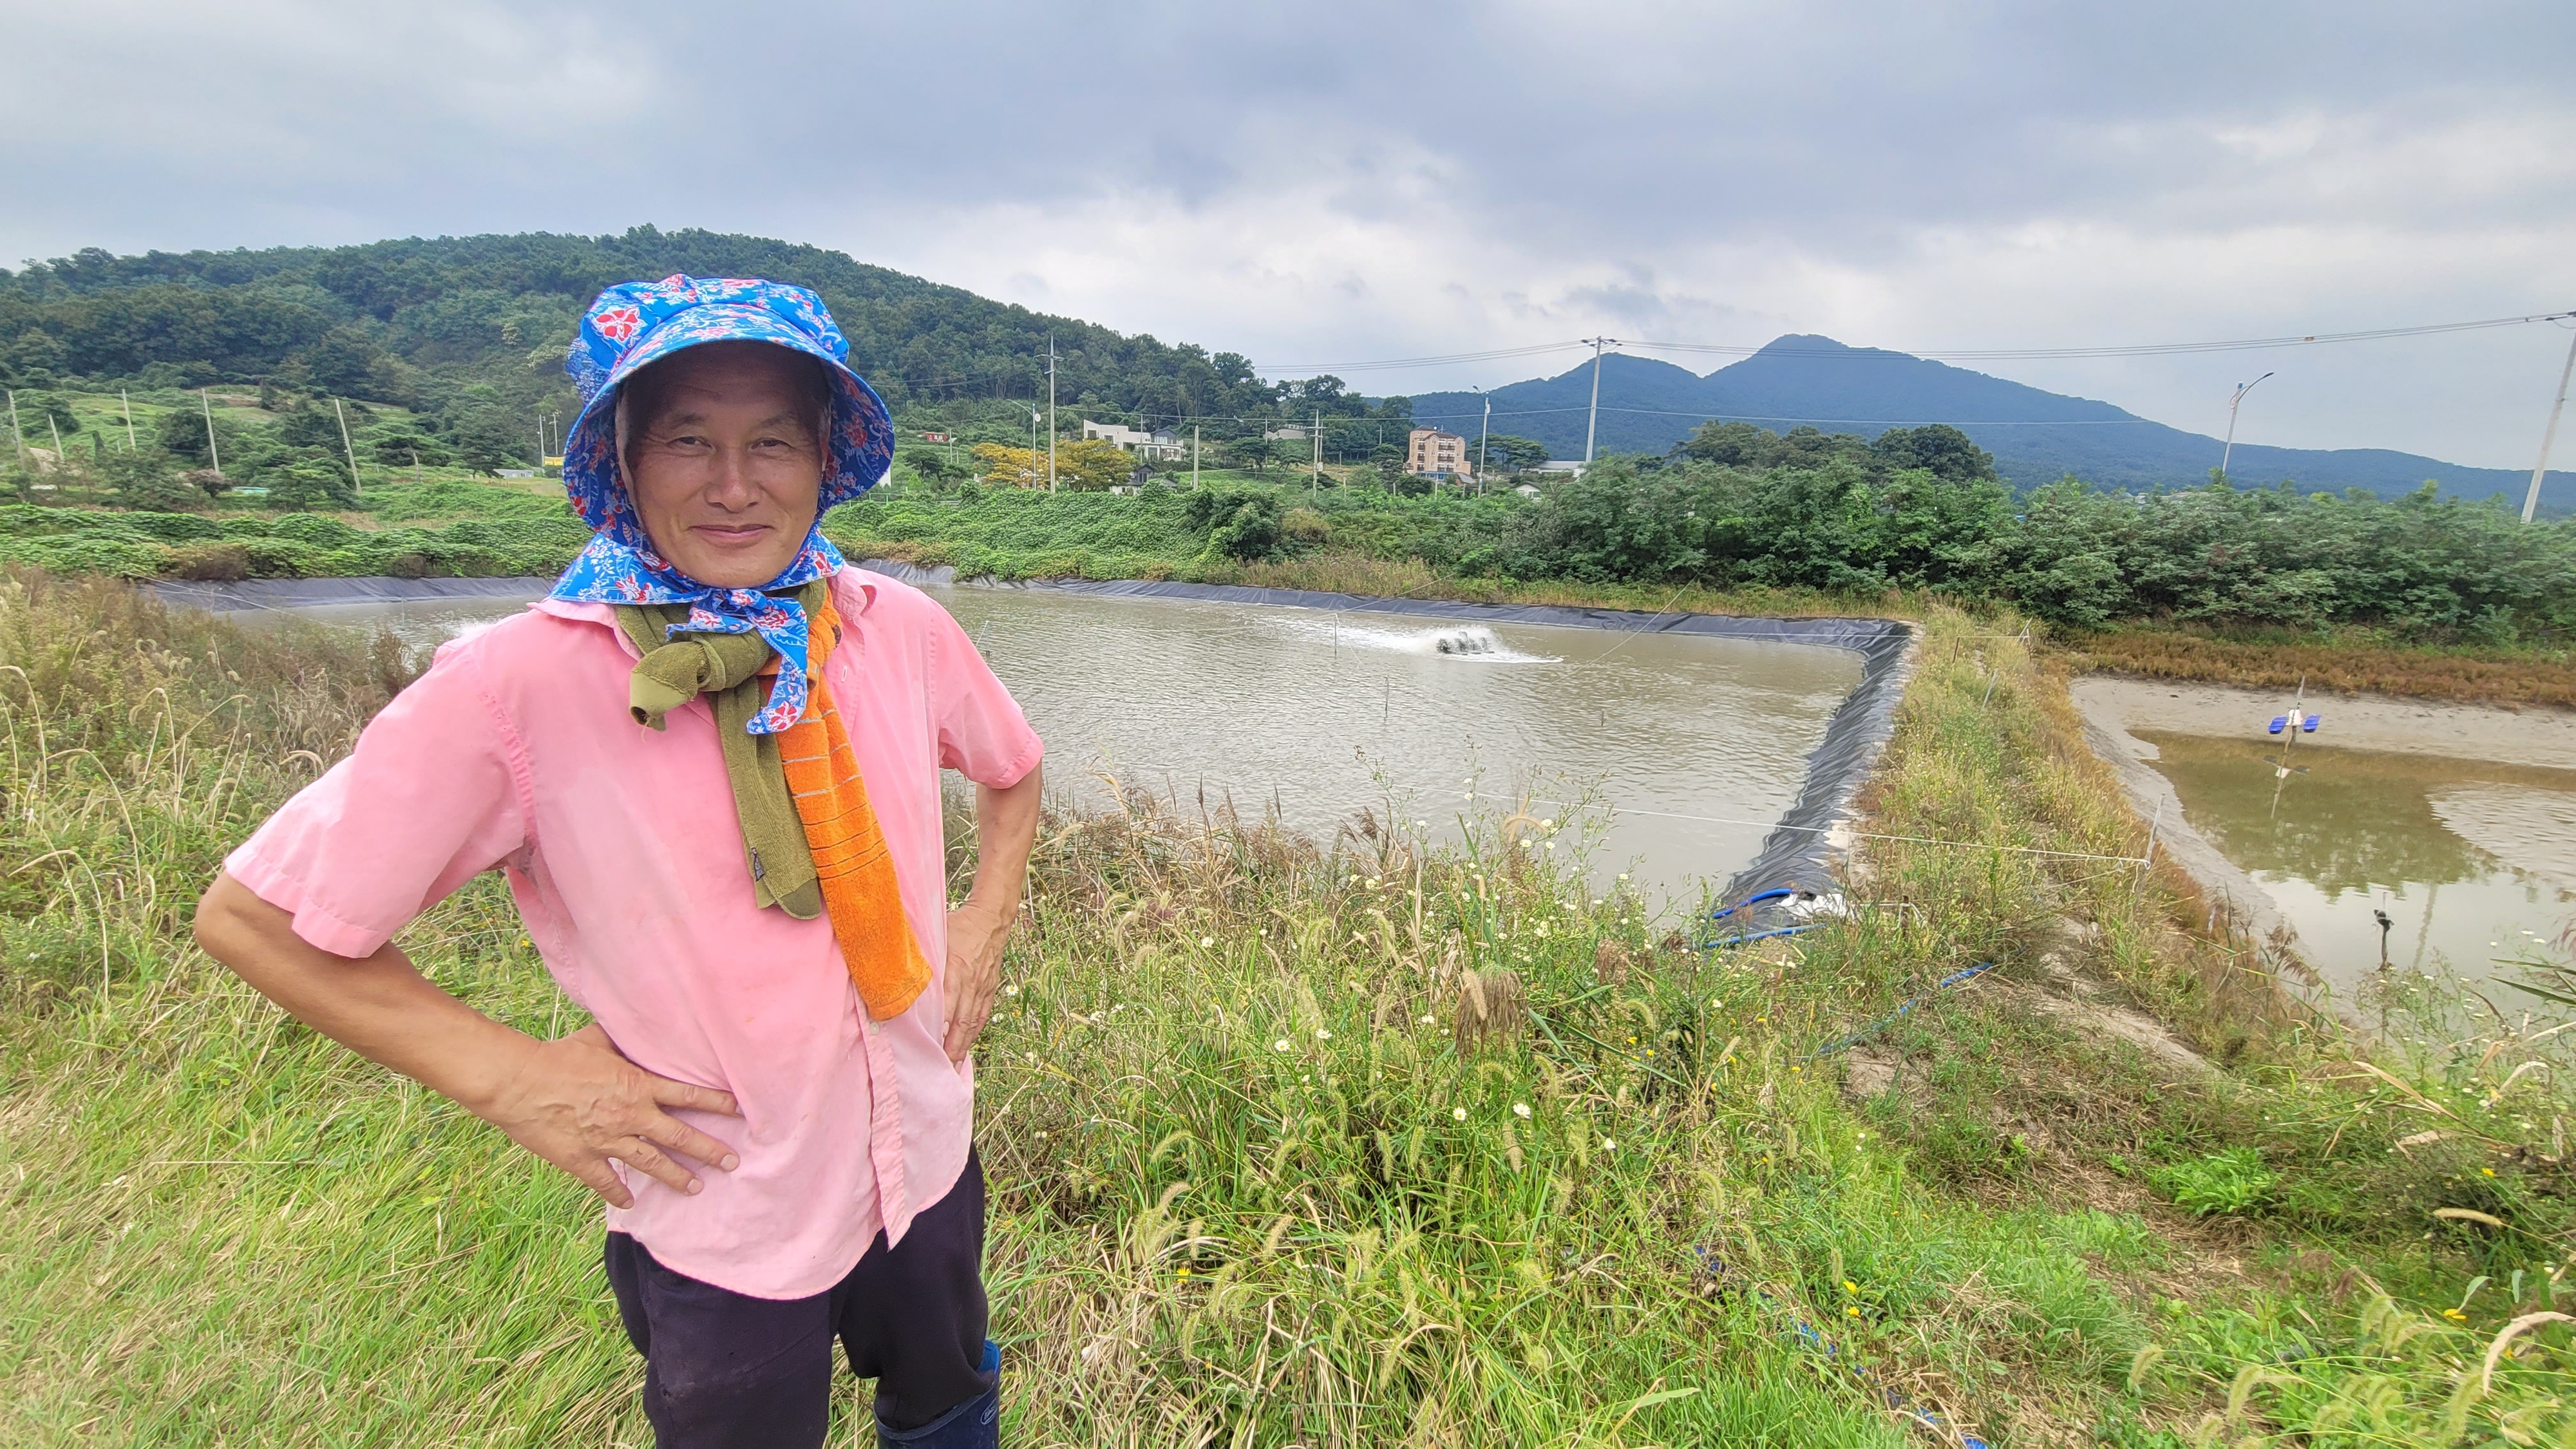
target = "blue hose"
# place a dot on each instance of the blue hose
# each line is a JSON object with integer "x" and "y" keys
{"x": 1781, "y": 894}
{"x": 1755, "y": 936}
{"x": 1955, "y": 978}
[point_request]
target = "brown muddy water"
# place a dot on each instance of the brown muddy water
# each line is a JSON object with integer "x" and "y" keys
{"x": 1689, "y": 747}
{"x": 2473, "y": 862}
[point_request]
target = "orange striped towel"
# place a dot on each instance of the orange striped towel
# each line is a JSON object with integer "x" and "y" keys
{"x": 850, "y": 857}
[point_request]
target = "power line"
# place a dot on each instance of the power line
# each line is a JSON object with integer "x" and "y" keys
{"x": 1968, "y": 354}
{"x": 2148, "y": 349}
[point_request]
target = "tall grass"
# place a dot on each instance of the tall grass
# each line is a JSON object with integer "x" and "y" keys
{"x": 1293, "y": 1142}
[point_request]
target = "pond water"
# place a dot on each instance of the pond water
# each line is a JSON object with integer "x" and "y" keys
{"x": 2470, "y": 860}
{"x": 1697, "y": 744}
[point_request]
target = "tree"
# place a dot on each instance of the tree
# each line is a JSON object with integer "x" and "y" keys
{"x": 306, "y": 483}
{"x": 37, "y": 410}
{"x": 1951, "y": 456}
{"x": 1091, "y": 465}
{"x": 1241, "y": 524}
{"x": 1509, "y": 453}
{"x": 931, "y": 465}
{"x": 1254, "y": 452}
{"x": 1004, "y": 466}
{"x": 147, "y": 482}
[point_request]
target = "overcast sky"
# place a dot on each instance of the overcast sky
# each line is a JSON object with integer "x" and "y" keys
{"x": 1332, "y": 183}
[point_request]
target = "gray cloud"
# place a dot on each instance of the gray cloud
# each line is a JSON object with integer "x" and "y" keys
{"x": 1354, "y": 181}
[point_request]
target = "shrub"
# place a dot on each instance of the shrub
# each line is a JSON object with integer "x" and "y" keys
{"x": 221, "y": 563}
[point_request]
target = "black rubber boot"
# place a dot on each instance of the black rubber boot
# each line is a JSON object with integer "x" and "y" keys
{"x": 974, "y": 1424}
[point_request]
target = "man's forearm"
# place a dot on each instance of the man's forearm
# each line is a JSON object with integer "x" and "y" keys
{"x": 1006, "y": 830}
{"x": 379, "y": 1007}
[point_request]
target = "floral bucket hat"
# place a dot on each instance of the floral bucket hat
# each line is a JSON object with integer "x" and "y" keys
{"x": 635, "y": 324}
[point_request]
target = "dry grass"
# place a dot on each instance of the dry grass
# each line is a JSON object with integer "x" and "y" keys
{"x": 2466, "y": 676}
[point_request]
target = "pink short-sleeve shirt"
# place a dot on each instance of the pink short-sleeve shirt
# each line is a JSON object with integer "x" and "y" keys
{"x": 624, "y": 855}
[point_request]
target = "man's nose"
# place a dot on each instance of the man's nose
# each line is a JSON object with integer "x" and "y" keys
{"x": 731, "y": 487}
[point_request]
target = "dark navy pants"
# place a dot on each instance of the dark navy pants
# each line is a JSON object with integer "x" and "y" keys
{"x": 723, "y": 1369}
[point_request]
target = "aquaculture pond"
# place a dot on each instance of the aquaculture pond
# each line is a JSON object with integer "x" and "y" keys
{"x": 2472, "y": 863}
{"x": 1687, "y": 747}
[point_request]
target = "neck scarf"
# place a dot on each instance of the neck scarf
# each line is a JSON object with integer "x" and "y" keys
{"x": 807, "y": 826}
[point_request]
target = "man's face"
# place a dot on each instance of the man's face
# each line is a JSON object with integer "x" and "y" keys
{"x": 728, "y": 471}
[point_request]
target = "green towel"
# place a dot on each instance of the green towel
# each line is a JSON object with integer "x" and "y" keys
{"x": 727, "y": 667}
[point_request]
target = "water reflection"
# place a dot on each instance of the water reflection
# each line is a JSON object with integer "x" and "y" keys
{"x": 2468, "y": 859}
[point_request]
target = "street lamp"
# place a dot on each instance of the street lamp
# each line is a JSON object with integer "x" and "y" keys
{"x": 2225, "y": 453}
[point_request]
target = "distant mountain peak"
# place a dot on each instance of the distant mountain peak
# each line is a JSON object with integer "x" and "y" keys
{"x": 1808, "y": 379}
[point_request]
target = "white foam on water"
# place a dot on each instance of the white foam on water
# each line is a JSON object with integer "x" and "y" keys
{"x": 1472, "y": 643}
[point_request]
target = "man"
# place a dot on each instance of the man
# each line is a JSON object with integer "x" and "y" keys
{"x": 708, "y": 765}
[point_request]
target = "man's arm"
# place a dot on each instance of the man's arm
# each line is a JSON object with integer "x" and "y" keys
{"x": 1006, "y": 826}
{"x": 575, "y": 1101}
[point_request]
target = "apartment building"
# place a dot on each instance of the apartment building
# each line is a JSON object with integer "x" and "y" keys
{"x": 1434, "y": 454}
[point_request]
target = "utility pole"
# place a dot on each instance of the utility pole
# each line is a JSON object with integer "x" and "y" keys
{"x": 1593, "y": 427}
{"x": 351, "y": 449}
{"x": 1194, "y": 456}
{"x": 2531, "y": 500}
{"x": 56, "y": 429}
{"x": 1050, "y": 412}
{"x": 1483, "y": 430}
{"x": 2225, "y": 453}
{"x": 212, "y": 456}
{"x": 128, "y": 404}
{"x": 15, "y": 432}
{"x": 1317, "y": 487}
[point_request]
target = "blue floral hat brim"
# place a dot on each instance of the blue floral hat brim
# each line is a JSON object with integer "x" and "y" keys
{"x": 636, "y": 324}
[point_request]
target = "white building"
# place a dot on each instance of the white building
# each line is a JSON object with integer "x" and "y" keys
{"x": 1144, "y": 445}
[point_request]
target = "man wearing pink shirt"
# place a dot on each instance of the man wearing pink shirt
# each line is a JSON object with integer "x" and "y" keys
{"x": 774, "y": 1100}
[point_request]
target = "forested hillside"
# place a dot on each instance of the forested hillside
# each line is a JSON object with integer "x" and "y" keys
{"x": 470, "y": 332}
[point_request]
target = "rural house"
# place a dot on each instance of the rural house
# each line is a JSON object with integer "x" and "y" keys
{"x": 1144, "y": 445}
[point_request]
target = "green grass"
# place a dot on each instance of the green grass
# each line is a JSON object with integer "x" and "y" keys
{"x": 1242, "y": 1191}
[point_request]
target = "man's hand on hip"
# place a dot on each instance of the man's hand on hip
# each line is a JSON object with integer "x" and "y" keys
{"x": 579, "y": 1103}
{"x": 1006, "y": 826}
{"x": 976, "y": 935}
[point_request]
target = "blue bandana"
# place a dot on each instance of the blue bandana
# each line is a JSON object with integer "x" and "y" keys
{"x": 637, "y": 323}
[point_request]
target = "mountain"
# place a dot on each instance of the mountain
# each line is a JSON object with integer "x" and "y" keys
{"x": 2036, "y": 436}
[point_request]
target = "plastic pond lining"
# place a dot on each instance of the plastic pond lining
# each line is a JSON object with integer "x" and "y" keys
{"x": 1800, "y": 850}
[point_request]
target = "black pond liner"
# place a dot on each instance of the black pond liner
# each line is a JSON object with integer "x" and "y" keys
{"x": 1799, "y": 851}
